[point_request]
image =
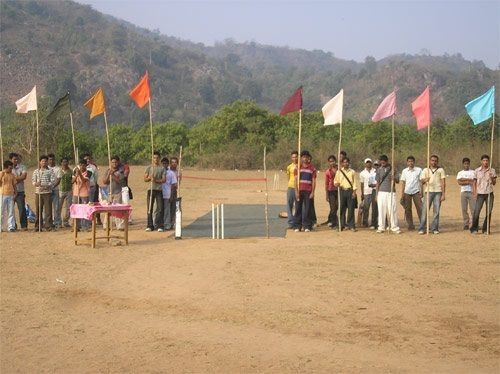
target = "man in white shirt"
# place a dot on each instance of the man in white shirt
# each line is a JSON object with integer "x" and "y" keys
{"x": 368, "y": 197}
{"x": 56, "y": 207}
{"x": 465, "y": 179}
{"x": 411, "y": 191}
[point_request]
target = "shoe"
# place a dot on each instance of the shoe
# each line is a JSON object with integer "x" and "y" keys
{"x": 307, "y": 230}
{"x": 296, "y": 230}
{"x": 435, "y": 232}
{"x": 372, "y": 227}
{"x": 160, "y": 230}
{"x": 12, "y": 230}
{"x": 353, "y": 229}
{"x": 466, "y": 227}
{"x": 149, "y": 229}
{"x": 421, "y": 232}
{"x": 336, "y": 228}
{"x": 380, "y": 231}
{"x": 397, "y": 232}
{"x": 329, "y": 224}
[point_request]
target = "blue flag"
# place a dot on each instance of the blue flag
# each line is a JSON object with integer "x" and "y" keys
{"x": 483, "y": 107}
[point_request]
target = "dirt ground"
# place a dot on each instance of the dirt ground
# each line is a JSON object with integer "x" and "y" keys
{"x": 312, "y": 302}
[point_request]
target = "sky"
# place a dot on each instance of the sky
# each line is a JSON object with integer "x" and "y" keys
{"x": 350, "y": 30}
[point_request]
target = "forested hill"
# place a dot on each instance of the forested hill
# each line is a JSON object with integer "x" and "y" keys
{"x": 64, "y": 45}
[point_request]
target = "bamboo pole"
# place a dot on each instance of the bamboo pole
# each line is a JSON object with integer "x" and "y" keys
{"x": 39, "y": 176}
{"x": 488, "y": 211}
{"x": 428, "y": 202}
{"x": 266, "y": 210}
{"x": 1, "y": 145}
{"x": 109, "y": 158}
{"x": 150, "y": 204}
{"x": 339, "y": 166}
{"x": 179, "y": 173}
{"x": 391, "y": 199}
{"x": 299, "y": 164}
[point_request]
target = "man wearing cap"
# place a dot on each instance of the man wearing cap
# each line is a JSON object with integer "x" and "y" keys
{"x": 304, "y": 192}
{"x": 410, "y": 191}
{"x": 346, "y": 180}
{"x": 368, "y": 196}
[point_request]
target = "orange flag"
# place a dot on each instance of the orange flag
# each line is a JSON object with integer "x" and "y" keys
{"x": 96, "y": 104}
{"x": 141, "y": 94}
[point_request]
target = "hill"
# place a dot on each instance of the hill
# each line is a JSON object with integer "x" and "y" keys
{"x": 65, "y": 45}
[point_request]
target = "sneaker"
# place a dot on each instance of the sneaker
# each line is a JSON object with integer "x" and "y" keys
{"x": 380, "y": 231}
{"x": 435, "y": 232}
{"x": 12, "y": 230}
{"x": 296, "y": 230}
{"x": 353, "y": 229}
{"x": 329, "y": 224}
{"x": 372, "y": 227}
{"x": 160, "y": 230}
{"x": 307, "y": 230}
{"x": 397, "y": 232}
{"x": 421, "y": 232}
{"x": 149, "y": 229}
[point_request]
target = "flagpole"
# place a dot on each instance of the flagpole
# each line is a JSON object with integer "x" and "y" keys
{"x": 39, "y": 176}
{"x": 109, "y": 158}
{"x": 392, "y": 177}
{"x": 179, "y": 173}
{"x": 152, "y": 156}
{"x": 72, "y": 129}
{"x": 488, "y": 216}
{"x": 427, "y": 202}
{"x": 339, "y": 165}
{"x": 1, "y": 144}
{"x": 266, "y": 210}
{"x": 299, "y": 162}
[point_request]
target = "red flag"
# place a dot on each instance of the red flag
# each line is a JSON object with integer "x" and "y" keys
{"x": 422, "y": 109}
{"x": 294, "y": 103}
{"x": 140, "y": 94}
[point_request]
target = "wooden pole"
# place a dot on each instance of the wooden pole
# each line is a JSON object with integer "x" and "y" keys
{"x": 39, "y": 176}
{"x": 150, "y": 204}
{"x": 73, "y": 136}
{"x": 427, "y": 202}
{"x": 1, "y": 145}
{"x": 179, "y": 172}
{"x": 339, "y": 165}
{"x": 488, "y": 211}
{"x": 266, "y": 210}
{"x": 299, "y": 162}
{"x": 109, "y": 158}
{"x": 391, "y": 199}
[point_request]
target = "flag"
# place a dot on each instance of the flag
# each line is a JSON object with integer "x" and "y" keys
{"x": 27, "y": 103}
{"x": 421, "y": 108}
{"x": 61, "y": 105}
{"x": 294, "y": 103}
{"x": 141, "y": 94}
{"x": 386, "y": 108}
{"x": 332, "y": 110}
{"x": 482, "y": 108}
{"x": 96, "y": 104}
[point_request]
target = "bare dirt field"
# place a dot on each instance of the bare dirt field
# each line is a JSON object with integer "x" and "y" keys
{"x": 318, "y": 302}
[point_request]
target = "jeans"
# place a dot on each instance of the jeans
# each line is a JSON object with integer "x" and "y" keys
{"x": 7, "y": 213}
{"x": 370, "y": 200}
{"x": 346, "y": 204}
{"x": 467, "y": 200}
{"x": 21, "y": 207}
{"x": 333, "y": 201}
{"x": 81, "y": 223}
{"x": 43, "y": 204}
{"x": 167, "y": 217}
{"x": 156, "y": 199}
{"x": 56, "y": 207}
{"x": 407, "y": 200}
{"x": 65, "y": 199}
{"x": 290, "y": 202}
{"x": 481, "y": 199}
{"x": 302, "y": 217}
{"x": 387, "y": 209}
{"x": 435, "y": 201}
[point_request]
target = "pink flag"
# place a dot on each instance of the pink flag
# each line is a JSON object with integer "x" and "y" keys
{"x": 422, "y": 109}
{"x": 386, "y": 108}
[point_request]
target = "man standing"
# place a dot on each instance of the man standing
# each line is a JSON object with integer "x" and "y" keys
{"x": 7, "y": 194}
{"x": 65, "y": 194}
{"x": 465, "y": 179}
{"x": 411, "y": 191}
{"x": 155, "y": 175}
{"x": 174, "y": 163}
{"x": 170, "y": 182}
{"x": 484, "y": 181}
{"x": 345, "y": 179}
{"x": 113, "y": 178}
{"x": 386, "y": 200}
{"x": 19, "y": 171}
{"x": 369, "y": 196}
{"x": 43, "y": 179}
{"x": 93, "y": 182}
{"x": 290, "y": 193}
{"x": 304, "y": 192}
{"x": 56, "y": 208}
{"x": 81, "y": 189}
{"x": 435, "y": 177}
{"x": 331, "y": 191}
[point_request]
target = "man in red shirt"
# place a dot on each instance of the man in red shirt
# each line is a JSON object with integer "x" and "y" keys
{"x": 331, "y": 191}
{"x": 304, "y": 192}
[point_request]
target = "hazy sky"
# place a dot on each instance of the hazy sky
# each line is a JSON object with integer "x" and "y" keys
{"x": 349, "y": 29}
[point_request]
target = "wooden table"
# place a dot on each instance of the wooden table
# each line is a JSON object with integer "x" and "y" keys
{"x": 88, "y": 212}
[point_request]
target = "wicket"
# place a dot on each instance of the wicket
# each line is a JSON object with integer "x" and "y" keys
{"x": 217, "y": 220}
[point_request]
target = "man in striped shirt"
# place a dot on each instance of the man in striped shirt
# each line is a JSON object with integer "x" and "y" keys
{"x": 43, "y": 179}
{"x": 304, "y": 192}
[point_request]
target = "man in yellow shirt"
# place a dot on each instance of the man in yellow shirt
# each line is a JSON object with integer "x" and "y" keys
{"x": 290, "y": 193}
{"x": 346, "y": 180}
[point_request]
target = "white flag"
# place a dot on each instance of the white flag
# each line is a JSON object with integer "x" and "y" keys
{"x": 332, "y": 110}
{"x": 27, "y": 103}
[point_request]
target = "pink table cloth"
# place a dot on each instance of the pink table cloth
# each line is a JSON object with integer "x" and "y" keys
{"x": 86, "y": 211}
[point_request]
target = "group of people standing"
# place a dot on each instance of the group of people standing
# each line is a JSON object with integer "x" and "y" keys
{"x": 377, "y": 182}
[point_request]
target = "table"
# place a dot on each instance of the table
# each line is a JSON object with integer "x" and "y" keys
{"x": 88, "y": 212}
